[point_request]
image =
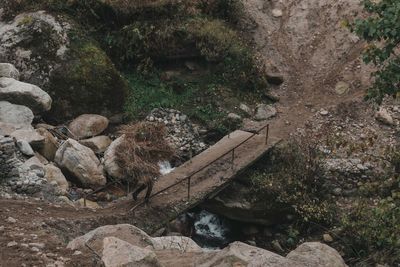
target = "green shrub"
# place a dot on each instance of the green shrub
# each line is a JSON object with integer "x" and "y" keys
{"x": 293, "y": 178}
{"x": 381, "y": 30}
{"x": 227, "y": 54}
{"x": 371, "y": 230}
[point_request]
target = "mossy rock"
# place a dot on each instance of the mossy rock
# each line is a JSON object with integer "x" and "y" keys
{"x": 87, "y": 82}
{"x": 54, "y": 53}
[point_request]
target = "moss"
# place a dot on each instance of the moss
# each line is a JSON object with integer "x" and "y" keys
{"x": 88, "y": 82}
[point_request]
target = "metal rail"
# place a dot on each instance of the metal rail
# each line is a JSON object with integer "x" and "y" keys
{"x": 189, "y": 177}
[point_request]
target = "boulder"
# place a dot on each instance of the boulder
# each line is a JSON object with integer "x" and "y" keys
{"x": 31, "y": 136}
{"x": 180, "y": 243}
{"x": 8, "y": 70}
{"x": 88, "y": 125}
{"x": 20, "y": 116}
{"x": 75, "y": 72}
{"x": 56, "y": 177}
{"x": 110, "y": 161}
{"x": 384, "y": 117}
{"x": 315, "y": 254}
{"x": 25, "y": 94}
{"x": 98, "y": 144}
{"x": 6, "y": 128}
{"x": 50, "y": 145}
{"x": 125, "y": 232}
{"x": 241, "y": 254}
{"x": 264, "y": 112}
{"x": 118, "y": 253}
{"x": 81, "y": 163}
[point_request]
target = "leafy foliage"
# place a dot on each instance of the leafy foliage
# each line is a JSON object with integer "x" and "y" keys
{"x": 144, "y": 42}
{"x": 377, "y": 241}
{"x": 294, "y": 178}
{"x": 382, "y": 31}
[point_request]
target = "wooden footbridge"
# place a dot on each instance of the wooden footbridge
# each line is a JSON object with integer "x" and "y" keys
{"x": 202, "y": 177}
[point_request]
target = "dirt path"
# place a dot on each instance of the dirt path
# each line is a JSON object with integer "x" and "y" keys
{"x": 311, "y": 48}
{"x": 306, "y": 44}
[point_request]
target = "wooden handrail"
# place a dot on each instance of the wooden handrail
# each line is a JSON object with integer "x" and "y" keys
{"x": 188, "y": 177}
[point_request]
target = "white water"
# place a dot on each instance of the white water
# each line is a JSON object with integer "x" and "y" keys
{"x": 210, "y": 227}
{"x": 165, "y": 167}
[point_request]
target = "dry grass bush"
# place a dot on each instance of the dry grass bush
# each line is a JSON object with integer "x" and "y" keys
{"x": 141, "y": 149}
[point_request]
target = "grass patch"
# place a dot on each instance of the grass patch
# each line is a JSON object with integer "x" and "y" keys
{"x": 196, "y": 98}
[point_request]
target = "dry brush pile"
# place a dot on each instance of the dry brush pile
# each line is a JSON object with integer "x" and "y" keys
{"x": 142, "y": 148}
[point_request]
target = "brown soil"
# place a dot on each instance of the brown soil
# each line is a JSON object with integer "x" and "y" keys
{"x": 307, "y": 45}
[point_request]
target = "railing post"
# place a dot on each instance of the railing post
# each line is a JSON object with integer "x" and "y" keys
{"x": 266, "y": 135}
{"x": 190, "y": 177}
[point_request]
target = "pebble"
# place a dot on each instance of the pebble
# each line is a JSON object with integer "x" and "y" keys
{"x": 11, "y": 220}
{"x": 1, "y": 228}
{"x": 12, "y": 244}
{"x": 327, "y": 238}
{"x": 77, "y": 253}
{"x": 324, "y": 112}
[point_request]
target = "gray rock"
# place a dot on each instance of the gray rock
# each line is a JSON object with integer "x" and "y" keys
{"x": 11, "y": 220}
{"x": 264, "y": 112}
{"x": 246, "y": 109}
{"x": 234, "y": 117}
{"x": 81, "y": 162}
{"x": 31, "y": 136}
{"x": 110, "y": 163}
{"x": 180, "y": 243}
{"x": 20, "y": 116}
{"x": 49, "y": 146}
{"x": 54, "y": 175}
{"x": 9, "y": 71}
{"x": 25, "y": 148}
{"x": 117, "y": 253}
{"x": 315, "y": 254}
{"x": 6, "y": 128}
{"x": 88, "y": 125}
{"x": 24, "y": 94}
{"x": 125, "y": 232}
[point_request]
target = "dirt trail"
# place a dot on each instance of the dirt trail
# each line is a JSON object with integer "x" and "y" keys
{"x": 311, "y": 48}
{"x": 306, "y": 44}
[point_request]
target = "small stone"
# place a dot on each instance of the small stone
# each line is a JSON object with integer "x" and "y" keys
{"x": 245, "y": 109}
{"x": 277, "y": 246}
{"x": 384, "y": 117}
{"x": 77, "y": 253}
{"x": 234, "y": 117}
{"x": 12, "y": 244}
{"x": 1, "y": 228}
{"x": 37, "y": 245}
{"x": 277, "y": 13}
{"x": 324, "y": 112}
{"x": 35, "y": 249}
{"x": 342, "y": 88}
{"x": 11, "y": 220}
{"x": 327, "y": 238}
{"x": 337, "y": 191}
